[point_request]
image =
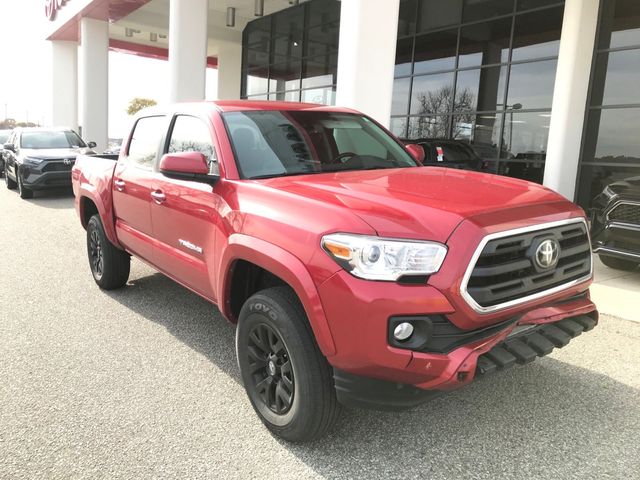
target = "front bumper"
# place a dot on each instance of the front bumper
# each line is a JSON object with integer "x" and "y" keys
{"x": 504, "y": 351}
{"x": 36, "y": 180}
{"x": 359, "y": 312}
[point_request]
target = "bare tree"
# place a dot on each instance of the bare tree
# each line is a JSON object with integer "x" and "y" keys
{"x": 434, "y": 106}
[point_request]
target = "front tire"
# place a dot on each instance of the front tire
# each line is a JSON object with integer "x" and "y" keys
{"x": 110, "y": 266}
{"x": 23, "y": 191}
{"x": 287, "y": 379}
{"x": 11, "y": 185}
{"x": 619, "y": 263}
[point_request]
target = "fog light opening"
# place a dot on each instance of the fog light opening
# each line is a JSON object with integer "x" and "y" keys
{"x": 403, "y": 331}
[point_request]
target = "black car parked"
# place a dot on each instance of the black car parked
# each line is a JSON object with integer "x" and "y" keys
{"x": 41, "y": 158}
{"x": 449, "y": 153}
{"x": 615, "y": 224}
{"x": 4, "y": 136}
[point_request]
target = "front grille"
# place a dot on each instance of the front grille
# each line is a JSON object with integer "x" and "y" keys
{"x": 58, "y": 166}
{"x": 626, "y": 213}
{"x": 505, "y": 270}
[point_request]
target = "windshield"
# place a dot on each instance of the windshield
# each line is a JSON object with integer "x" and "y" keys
{"x": 52, "y": 139}
{"x": 279, "y": 143}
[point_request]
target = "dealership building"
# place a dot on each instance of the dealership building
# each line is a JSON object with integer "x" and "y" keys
{"x": 544, "y": 90}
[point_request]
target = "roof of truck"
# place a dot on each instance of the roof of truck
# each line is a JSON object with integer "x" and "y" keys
{"x": 240, "y": 105}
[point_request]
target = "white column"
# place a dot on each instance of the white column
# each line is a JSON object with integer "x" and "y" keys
{"x": 570, "y": 95}
{"x": 65, "y": 84}
{"x": 187, "y": 49}
{"x": 366, "y": 56}
{"x": 94, "y": 81}
{"x": 229, "y": 70}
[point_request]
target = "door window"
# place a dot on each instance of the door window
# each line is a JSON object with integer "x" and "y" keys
{"x": 144, "y": 144}
{"x": 190, "y": 134}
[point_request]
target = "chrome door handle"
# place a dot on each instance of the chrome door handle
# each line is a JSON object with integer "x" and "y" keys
{"x": 119, "y": 184}
{"x": 158, "y": 196}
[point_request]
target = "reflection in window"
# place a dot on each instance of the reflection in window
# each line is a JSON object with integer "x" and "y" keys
{"x": 324, "y": 96}
{"x": 436, "y": 51}
{"x": 621, "y": 73}
{"x": 619, "y": 24}
{"x": 480, "y": 89}
{"x": 432, "y": 94}
{"x": 480, "y": 9}
{"x": 257, "y": 83}
{"x": 531, "y": 84}
{"x": 438, "y": 14}
{"x": 526, "y": 135}
{"x": 145, "y": 141}
{"x": 433, "y": 126}
{"x": 594, "y": 178}
{"x": 616, "y": 131}
{"x": 191, "y": 134}
{"x": 400, "y": 103}
{"x": 404, "y": 54}
{"x": 485, "y": 43}
{"x": 537, "y": 34}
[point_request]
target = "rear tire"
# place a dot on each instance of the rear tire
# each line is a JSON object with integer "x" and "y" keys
{"x": 23, "y": 191}
{"x": 110, "y": 266}
{"x": 619, "y": 263}
{"x": 11, "y": 185}
{"x": 287, "y": 379}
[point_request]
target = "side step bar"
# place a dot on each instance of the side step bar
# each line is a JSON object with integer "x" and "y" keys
{"x": 537, "y": 342}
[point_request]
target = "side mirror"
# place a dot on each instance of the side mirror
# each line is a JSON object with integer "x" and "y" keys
{"x": 187, "y": 166}
{"x": 92, "y": 144}
{"x": 9, "y": 146}
{"x": 416, "y": 151}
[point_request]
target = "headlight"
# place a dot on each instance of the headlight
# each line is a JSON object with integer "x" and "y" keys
{"x": 33, "y": 161}
{"x": 375, "y": 258}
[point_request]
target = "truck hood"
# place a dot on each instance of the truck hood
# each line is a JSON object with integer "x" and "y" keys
{"x": 419, "y": 203}
{"x": 54, "y": 153}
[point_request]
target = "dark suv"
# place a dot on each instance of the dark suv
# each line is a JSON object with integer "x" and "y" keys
{"x": 41, "y": 158}
{"x": 615, "y": 224}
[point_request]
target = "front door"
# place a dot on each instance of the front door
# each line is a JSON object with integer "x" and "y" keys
{"x": 132, "y": 182}
{"x": 185, "y": 213}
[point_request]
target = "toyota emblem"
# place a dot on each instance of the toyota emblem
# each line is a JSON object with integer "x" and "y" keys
{"x": 547, "y": 253}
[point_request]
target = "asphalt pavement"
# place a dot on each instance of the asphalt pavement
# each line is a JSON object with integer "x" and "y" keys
{"x": 143, "y": 383}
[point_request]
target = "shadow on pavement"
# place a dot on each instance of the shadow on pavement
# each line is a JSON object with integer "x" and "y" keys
{"x": 56, "y": 198}
{"x": 549, "y": 419}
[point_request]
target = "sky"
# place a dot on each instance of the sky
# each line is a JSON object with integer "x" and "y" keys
{"x": 25, "y": 72}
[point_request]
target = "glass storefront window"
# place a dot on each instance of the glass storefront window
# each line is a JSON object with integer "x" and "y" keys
{"x": 432, "y": 126}
{"x": 324, "y": 96}
{"x": 400, "y": 102}
{"x": 433, "y": 15}
{"x": 436, "y": 51}
{"x": 526, "y": 134}
{"x": 399, "y": 127}
{"x": 481, "y": 9}
{"x": 531, "y": 84}
{"x": 432, "y": 94}
{"x": 480, "y": 89}
{"x": 621, "y": 73}
{"x": 485, "y": 43}
{"x": 619, "y": 24}
{"x": 404, "y": 57}
{"x": 616, "y": 134}
{"x": 537, "y": 34}
{"x": 407, "y": 18}
{"x": 481, "y": 131}
{"x": 296, "y": 49}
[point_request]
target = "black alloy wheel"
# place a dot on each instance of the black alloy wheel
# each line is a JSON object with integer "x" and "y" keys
{"x": 96, "y": 257}
{"x": 272, "y": 373}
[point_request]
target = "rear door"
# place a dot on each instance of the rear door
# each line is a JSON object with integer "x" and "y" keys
{"x": 185, "y": 213}
{"x": 132, "y": 185}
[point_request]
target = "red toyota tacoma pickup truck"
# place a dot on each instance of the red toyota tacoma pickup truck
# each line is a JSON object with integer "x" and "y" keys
{"x": 355, "y": 275}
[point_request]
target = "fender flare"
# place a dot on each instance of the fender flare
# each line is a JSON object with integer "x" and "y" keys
{"x": 89, "y": 192}
{"x": 285, "y": 266}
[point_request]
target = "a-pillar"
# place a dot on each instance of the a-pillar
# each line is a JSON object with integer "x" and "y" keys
{"x": 94, "y": 81}
{"x": 570, "y": 95}
{"x": 229, "y": 70}
{"x": 65, "y": 84}
{"x": 366, "y": 56}
{"x": 187, "y": 49}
